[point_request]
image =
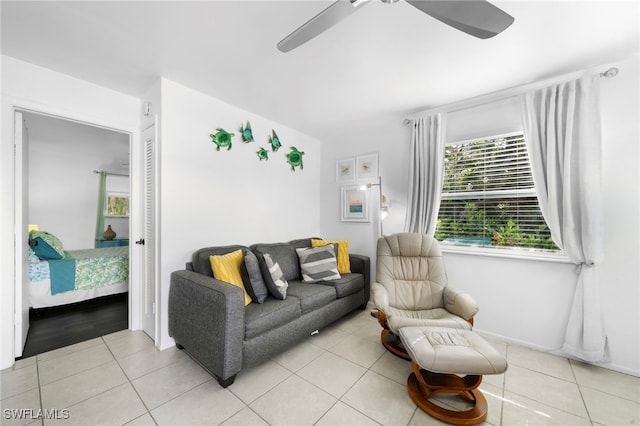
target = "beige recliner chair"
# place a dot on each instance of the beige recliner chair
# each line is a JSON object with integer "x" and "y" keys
{"x": 411, "y": 289}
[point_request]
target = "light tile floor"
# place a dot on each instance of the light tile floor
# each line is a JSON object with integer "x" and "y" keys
{"x": 341, "y": 376}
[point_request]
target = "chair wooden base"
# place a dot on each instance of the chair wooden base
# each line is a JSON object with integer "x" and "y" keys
{"x": 422, "y": 385}
{"x": 393, "y": 344}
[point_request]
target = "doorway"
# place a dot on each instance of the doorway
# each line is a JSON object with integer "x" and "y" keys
{"x": 60, "y": 193}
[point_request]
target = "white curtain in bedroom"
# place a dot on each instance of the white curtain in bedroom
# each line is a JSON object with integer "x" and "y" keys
{"x": 563, "y": 133}
{"x": 425, "y": 174}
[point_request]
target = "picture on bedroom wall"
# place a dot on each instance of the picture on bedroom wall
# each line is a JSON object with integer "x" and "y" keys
{"x": 346, "y": 170}
{"x": 354, "y": 205}
{"x": 117, "y": 204}
{"x": 367, "y": 166}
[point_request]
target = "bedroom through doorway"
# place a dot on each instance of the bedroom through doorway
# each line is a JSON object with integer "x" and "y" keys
{"x": 78, "y": 185}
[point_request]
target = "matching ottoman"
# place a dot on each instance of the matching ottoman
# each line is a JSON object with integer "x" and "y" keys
{"x": 447, "y": 360}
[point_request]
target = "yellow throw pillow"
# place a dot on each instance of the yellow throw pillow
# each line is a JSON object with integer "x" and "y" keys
{"x": 227, "y": 268}
{"x": 344, "y": 266}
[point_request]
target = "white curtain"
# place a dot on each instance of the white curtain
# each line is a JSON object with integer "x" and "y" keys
{"x": 425, "y": 174}
{"x": 563, "y": 134}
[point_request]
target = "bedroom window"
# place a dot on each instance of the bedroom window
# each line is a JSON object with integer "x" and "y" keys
{"x": 488, "y": 198}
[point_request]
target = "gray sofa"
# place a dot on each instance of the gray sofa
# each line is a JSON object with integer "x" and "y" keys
{"x": 208, "y": 318}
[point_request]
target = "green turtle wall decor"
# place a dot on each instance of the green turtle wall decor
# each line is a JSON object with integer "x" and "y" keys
{"x": 274, "y": 140}
{"x": 294, "y": 158}
{"x": 263, "y": 154}
{"x": 247, "y": 133}
{"x": 222, "y": 138}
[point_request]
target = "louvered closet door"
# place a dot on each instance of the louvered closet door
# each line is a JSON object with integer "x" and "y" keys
{"x": 149, "y": 292}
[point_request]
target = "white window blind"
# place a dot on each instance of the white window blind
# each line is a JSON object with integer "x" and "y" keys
{"x": 488, "y": 197}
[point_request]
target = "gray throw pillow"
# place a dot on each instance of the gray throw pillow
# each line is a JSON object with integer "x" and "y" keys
{"x": 279, "y": 284}
{"x": 318, "y": 263}
{"x": 252, "y": 277}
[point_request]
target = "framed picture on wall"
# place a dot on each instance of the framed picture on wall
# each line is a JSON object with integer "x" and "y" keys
{"x": 354, "y": 206}
{"x": 117, "y": 204}
{"x": 345, "y": 170}
{"x": 367, "y": 166}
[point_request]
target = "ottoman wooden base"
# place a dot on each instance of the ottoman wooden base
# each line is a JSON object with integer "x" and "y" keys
{"x": 450, "y": 361}
{"x": 423, "y": 385}
{"x": 393, "y": 344}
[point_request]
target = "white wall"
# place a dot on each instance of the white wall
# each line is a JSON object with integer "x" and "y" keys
{"x": 389, "y": 138}
{"x": 31, "y": 87}
{"x": 211, "y": 198}
{"x": 525, "y": 301}
{"x": 620, "y": 273}
{"x": 63, "y": 189}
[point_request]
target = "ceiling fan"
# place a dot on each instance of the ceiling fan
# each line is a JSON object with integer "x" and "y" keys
{"x": 478, "y": 18}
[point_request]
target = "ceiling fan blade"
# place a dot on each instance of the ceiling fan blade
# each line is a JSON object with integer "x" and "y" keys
{"x": 476, "y": 17}
{"x": 320, "y": 23}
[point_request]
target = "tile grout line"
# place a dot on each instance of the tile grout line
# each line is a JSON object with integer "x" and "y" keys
{"x": 339, "y": 398}
{"x": 586, "y": 408}
{"x": 131, "y": 384}
{"x": 84, "y": 371}
{"x": 504, "y": 385}
{"x": 39, "y": 388}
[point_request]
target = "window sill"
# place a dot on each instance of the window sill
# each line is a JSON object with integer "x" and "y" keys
{"x": 511, "y": 253}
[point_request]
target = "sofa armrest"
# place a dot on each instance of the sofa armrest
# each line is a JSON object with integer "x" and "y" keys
{"x": 362, "y": 265}
{"x": 380, "y": 297}
{"x": 206, "y": 317}
{"x": 460, "y": 303}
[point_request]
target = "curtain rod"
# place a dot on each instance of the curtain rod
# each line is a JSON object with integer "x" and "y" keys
{"x": 608, "y": 73}
{"x": 109, "y": 173}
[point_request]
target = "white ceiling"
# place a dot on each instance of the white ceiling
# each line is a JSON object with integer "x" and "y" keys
{"x": 382, "y": 60}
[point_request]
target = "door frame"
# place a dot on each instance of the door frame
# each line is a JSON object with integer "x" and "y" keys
{"x": 136, "y": 211}
{"x": 21, "y": 188}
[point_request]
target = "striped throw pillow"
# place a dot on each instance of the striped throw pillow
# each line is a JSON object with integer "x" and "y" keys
{"x": 318, "y": 263}
{"x": 280, "y": 284}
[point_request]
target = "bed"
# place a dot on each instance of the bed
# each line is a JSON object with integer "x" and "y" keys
{"x": 76, "y": 275}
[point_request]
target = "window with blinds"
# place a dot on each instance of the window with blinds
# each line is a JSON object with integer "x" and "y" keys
{"x": 488, "y": 198}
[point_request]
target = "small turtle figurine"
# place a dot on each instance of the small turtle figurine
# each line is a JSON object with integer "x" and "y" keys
{"x": 294, "y": 158}
{"x": 247, "y": 133}
{"x": 274, "y": 140}
{"x": 263, "y": 154}
{"x": 222, "y": 139}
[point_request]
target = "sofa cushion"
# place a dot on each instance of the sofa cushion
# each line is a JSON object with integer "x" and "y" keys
{"x": 311, "y": 296}
{"x": 274, "y": 278}
{"x": 347, "y": 285}
{"x": 259, "y": 318}
{"x": 344, "y": 265}
{"x": 226, "y": 268}
{"x": 284, "y": 254}
{"x": 318, "y": 263}
{"x": 200, "y": 259}
{"x": 302, "y": 242}
{"x": 252, "y": 277}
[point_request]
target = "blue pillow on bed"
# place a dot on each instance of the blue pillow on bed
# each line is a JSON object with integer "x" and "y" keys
{"x": 45, "y": 245}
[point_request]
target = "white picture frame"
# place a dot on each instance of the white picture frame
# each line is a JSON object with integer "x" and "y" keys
{"x": 116, "y": 204}
{"x": 354, "y": 204}
{"x": 367, "y": 166}
{"x": 346, "y": 170}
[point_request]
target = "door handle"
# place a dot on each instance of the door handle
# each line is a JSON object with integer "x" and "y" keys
{"x": 140, "y": 241}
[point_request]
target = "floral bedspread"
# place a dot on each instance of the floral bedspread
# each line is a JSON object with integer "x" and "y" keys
{"x": 93, "y": 267}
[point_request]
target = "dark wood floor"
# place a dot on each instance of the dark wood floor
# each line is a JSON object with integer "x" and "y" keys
{"x": 53, "y": 328}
